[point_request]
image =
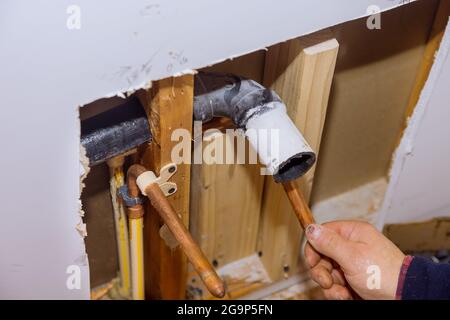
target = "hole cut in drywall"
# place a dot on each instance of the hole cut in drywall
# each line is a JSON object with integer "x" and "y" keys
{"x": 374, "y": 77}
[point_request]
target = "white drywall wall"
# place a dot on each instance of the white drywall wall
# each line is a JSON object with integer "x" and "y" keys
{"x": 420, "y": 176}
{"x": 48, "y": 70}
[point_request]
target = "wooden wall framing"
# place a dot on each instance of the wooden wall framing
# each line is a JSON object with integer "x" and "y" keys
{"x": 169, "y": 106}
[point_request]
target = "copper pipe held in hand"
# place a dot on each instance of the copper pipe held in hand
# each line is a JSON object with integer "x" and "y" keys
{"x": 298, "y": 202}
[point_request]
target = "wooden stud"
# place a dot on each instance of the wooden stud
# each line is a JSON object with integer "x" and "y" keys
{"x": 301, "y": 72}
{"x": 169, "y": 106}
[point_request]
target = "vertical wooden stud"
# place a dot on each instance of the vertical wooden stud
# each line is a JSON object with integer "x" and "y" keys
{"x": 169, "y": 106}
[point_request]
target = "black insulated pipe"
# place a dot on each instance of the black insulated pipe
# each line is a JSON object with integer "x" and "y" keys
{"x": 115, "y": 132}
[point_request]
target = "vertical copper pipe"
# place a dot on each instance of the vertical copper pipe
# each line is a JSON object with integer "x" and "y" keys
{"x": 298, "y": 202}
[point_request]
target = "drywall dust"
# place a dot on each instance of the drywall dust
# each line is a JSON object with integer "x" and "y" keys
{"x": 414, "y": 165}
{"x": 84, "y": 167}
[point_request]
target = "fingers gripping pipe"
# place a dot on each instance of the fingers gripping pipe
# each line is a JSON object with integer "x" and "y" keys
{"x": 262, "y": 114}
{"x": 140, "y": 180}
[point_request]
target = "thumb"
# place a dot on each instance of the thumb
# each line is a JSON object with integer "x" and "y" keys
{"x": 330, "y": 243}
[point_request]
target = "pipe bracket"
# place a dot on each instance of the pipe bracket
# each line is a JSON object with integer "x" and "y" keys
{"x": 166, "y": 186}
{"x": 127, "y": 200}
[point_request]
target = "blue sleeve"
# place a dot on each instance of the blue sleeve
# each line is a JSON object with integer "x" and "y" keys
{"x": 426, "y": 280}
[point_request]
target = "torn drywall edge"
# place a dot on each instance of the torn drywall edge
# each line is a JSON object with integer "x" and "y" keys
{"x": 246, "y": 271}
{"x": 185, "y": 72}
{"x": 406, "y": 147}
{"x": 127, "y": 91}
{"x": 360, "y": 203}
{"x": 84, "y": 171}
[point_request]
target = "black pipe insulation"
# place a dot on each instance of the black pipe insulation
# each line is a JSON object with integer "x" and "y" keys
{"x": 114, "y": 132}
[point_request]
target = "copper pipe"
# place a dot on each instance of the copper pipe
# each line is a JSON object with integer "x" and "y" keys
{"x": 137, "y": 211}
{"x": 195, "y": 256}
{"x": 135, "y": 221}
{"x": 132, "y": 174}
{"x": 298, "y": 202}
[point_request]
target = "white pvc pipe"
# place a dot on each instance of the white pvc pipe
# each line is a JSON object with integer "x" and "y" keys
{"x": 278, "y": 142}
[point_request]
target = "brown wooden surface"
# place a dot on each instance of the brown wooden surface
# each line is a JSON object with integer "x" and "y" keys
{"x": 169, "y": 106}
{"x": 414, "y": 237}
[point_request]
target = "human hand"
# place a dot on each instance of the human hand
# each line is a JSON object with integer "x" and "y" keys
{"x": 343, "y": 255}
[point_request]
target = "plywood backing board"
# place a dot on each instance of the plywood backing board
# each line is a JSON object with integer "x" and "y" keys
{"x": 169, "y": 106}
{"x": 301, "y": 72}
{"x": 437, "y": 32}
{"x": 374, "y": 77}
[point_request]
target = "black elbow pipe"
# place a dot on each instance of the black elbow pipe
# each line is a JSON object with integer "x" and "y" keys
{"x": 245, "y": 101}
